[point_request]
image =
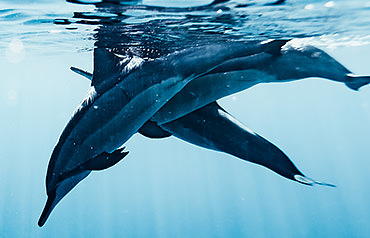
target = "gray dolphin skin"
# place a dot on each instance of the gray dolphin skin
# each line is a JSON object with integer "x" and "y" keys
{"x": 128, "y": 93}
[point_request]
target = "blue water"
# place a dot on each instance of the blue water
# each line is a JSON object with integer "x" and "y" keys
{"x": 166, "y": 187}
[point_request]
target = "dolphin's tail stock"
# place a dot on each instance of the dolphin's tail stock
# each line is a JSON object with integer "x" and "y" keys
{"x": 355, "y": 82}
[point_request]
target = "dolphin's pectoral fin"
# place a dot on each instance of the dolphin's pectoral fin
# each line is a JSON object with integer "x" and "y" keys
{"x": 309, "y": 181}
{"x": 105, "y": 160}
{"x": 151, "y": 130}
{"x": 82, "y": 72}
{"x": 355, "y": 82}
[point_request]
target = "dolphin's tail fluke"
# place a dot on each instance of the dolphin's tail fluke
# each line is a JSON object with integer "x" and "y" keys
{"x": 355, "y": 82}
{"x": 309, "y": 181}
{"x": 49, "y": 206}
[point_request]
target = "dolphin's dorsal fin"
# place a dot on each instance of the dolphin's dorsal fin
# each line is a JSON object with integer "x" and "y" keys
{"x": 273, "y": 47}
{"x": 107, "y": 64}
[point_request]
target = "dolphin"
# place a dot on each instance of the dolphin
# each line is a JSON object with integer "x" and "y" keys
{"x": 124, "y": 94}
{"x": 282, "y": 61}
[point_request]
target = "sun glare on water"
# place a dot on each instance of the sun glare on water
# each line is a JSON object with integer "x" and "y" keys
{"x": 15, "y": 52}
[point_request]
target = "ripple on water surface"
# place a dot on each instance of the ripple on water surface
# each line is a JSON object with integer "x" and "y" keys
{"x": 63, "y": 26}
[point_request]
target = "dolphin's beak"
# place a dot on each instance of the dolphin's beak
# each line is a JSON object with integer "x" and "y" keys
{"x": 62, "y": 189}
{"x": 49, "y": 206}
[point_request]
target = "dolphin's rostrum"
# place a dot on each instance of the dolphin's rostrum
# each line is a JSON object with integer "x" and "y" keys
{"x": 176, "y": 95}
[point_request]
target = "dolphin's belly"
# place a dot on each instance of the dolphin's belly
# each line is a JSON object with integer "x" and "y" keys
{"x": 206, "y": 89}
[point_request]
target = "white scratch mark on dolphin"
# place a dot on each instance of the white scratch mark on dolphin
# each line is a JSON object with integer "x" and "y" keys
{"x": 89, "y": 99}
{"x": 135, "y": 62}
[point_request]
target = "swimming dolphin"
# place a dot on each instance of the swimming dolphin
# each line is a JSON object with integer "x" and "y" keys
{"x": 123, "y": 96}
{"x": 282, "y": 61}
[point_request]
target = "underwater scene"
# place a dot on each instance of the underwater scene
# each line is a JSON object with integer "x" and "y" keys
{"x": 200, "y": 118}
